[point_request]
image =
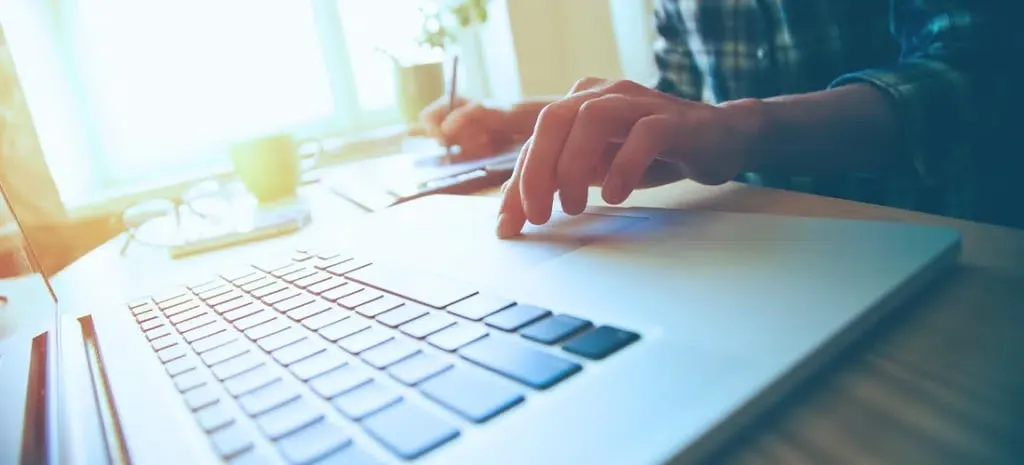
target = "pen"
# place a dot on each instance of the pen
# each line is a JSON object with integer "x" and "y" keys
{"x": 451, "y": 101}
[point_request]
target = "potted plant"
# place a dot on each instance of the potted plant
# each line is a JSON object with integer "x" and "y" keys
{"x": 420, "y": 74}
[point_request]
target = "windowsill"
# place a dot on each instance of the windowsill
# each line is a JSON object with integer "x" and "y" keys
{"x": 337, "y": 151}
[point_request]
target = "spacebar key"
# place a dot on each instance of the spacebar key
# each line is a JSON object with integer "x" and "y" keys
{"x": 532, "y": 367}
{"x": 424, "y": 288}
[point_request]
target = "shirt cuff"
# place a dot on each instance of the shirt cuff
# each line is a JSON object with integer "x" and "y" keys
{"x": 933, "y": 108}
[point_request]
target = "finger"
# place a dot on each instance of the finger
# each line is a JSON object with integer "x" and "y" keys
{"x": 648, "y": 137}
{"x": 600, "y": 121}
{"x": 511, "y": 217}
{"x": 538, "y": 185}
{"x": 432, "y": 116}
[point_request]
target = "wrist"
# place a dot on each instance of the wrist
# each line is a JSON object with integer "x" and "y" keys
{"x": 748, "y": 119}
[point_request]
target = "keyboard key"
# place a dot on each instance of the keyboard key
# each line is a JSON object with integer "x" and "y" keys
{"x": 180, "y": 366}
{"x": 266, "y": 398}
{"x": 236, "y": 366}
{"x": 417, "y": 368}
{"x": 215, "y": 292}
{"x": 189, "y": 380}
{"x": 530, "y": 366}
{"x": 317, "y": 365}
{"x": 430, "y": 324}
{"x": 288, "y": 418}
{"x": 140, "y": 306}
{"x": 201, "y": 396}
{"x": 266, "y": 329}
{"x": 341, "y": 292}
{"x": 344, "y": 328}
{"x": 163, "y": 342}
{"x": 232, "y": 305}
{"x": 315, "y": 278}
{"x": 298, "y": 351}
{"x": 268, "y": 290}
{"x": 242, "y": 312}
{"x": 351, "y": 455}
{"x": 452, "y": 338}
{"x": 402, "y": 315}
{"x": 339, "y": 381}
{"x": 255, "y": 319}
{"x": 365, "y": 400}
{"x": 172, "y": 300}
{"x": 297, "y": 275}
{"x": 146, "y": 317}
{"x": 324, "y": 286}
{"x": 292, "y": 303}
{"x": 600, "y": 342}
{"x": 287, "y": 270}
{"x": 364, "y": 340}
{"x": 279, "y": 296}
{"x": 471, "y": 393}
{"x": 231, "y": 441}
{"x": 320, "y": 320}
{"x": 421, "y": 287}
{"x": 247, "y": 279}
{"x": 260, "y": 283}
{"x": 479, "y": 306}
{"x": 158, "y": 332}
{"x": 516, "y": 317}
{"x": 214, "y": 417}
{"x": 198, "y": 328}
{"x": 281, "y": 339}
{"x": 327, "y": 263}
{"x": 227, "y": 297}
{"x": 362, "y": 297}
{"x": 313, "y": 442}
{"x": 347, "y": 266}
{"x": 186, "y": 315}
{"x": 214, "y": 341}
{"x": 251, "y": 380}
{"x": 301, "y": 257}
{"x": 408, "y": 430}
{"x": 554, "y": 329}
{"x": 308, "y": 310}
{"x": 375, "y": 307}
{"x": 171, "y": 353}
{"x": 389, "y": 353}
{"x": 185, "y": 307}
{"x": 224, "y": 353}
{"x": 151, "y": 324}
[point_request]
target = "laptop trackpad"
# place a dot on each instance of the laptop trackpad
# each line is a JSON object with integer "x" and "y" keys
{"x": 457, "y": 236}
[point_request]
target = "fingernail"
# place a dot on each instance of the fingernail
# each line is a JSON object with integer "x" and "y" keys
{"x": 613, "y": 189}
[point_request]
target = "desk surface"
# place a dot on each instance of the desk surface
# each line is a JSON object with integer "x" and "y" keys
{"x": 936, "y": 385}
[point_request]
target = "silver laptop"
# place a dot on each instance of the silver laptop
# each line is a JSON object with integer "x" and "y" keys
{"x": 637, "y": 336}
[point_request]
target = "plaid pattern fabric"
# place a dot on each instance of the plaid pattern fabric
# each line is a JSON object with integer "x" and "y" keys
{"x": 942, "y": 62}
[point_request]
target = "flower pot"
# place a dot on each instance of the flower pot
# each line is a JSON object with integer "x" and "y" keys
{"x": 418, "y": 86}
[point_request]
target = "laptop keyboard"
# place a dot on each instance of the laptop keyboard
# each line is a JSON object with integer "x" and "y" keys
{"x": 281, "y": 361}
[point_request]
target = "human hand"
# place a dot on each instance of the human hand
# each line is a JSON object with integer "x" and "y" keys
{"x": 478, "y": 130}
{"x": 608, "y": 133}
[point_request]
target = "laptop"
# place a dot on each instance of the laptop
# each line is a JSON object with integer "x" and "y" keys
{"x": 621, "y": 335}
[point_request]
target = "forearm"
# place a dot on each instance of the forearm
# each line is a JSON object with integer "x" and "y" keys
{"x": 847, "y": 129}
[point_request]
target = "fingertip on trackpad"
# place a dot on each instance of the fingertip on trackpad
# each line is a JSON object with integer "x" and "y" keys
{"x": 585, "y": 226}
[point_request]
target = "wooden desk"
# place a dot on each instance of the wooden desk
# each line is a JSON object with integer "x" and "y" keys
{"x": 938, "y": 384}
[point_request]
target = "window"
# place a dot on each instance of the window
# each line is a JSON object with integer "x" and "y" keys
{"x": 163, "y": 86}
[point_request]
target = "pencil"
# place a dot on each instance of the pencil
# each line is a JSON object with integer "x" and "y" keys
{"x": 451, "y": 99}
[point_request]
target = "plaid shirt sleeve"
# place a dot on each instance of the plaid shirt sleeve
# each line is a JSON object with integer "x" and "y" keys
{"x": 677, "y": 69}
{"x": 945, "y": 86}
